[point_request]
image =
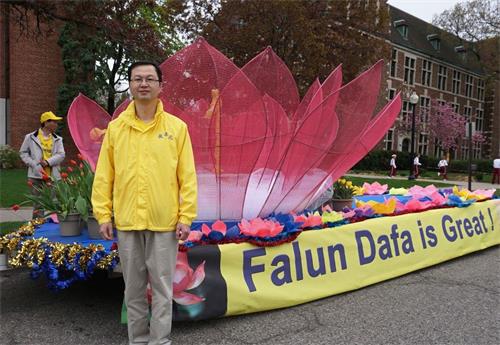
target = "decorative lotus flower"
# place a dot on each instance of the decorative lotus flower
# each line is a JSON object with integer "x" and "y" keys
{"x": 258, "y": 227}
{"x": 185, "y": 279}
{"x": 258, "y": 148}
{"x": 374, "y": 189}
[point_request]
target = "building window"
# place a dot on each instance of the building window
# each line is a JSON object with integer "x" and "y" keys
{"x": 392, "y": 93}
{"x": 464, "y": 152}
{"x": 442, "y": 75}
{"x": 389, "y": 139}
{"x": 409, "y": 70}
{"x": 438, "y": 152}
{"x": 476, "y": 150}
{"x": 403, "y": 30}
{"x": 425, "y": 107}
{"x": 423, "y": 143}
{"x": 456, "y": 82}
{"x": 436, "y": 43}
{"x": 456, "y": 107}
{"x": 467, "y": 112}
{"x": 480, "y": 89}
{"x": 426, "y": 72}
{"x": 394, "y": 62}
{"x": 479, "y": 119}
{"x": 405, "y": 112}
{"x": 468, "y": 85}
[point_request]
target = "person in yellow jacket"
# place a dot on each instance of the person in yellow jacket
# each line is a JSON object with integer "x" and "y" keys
{"x": 146, "y": 180}
{"x": 43, "y": 151}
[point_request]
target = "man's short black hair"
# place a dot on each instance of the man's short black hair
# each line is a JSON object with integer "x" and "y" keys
{"x": 145, "y": 63}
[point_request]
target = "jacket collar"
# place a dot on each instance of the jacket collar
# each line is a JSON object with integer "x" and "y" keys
{"x": 130, "y": 118}
{"x": 34, "y": 135}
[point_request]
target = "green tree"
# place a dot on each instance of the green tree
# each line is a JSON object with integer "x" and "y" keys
{"x": 99, "y": 39}
{"x": 312, "y": 37}
{"x": 477, "y": 24}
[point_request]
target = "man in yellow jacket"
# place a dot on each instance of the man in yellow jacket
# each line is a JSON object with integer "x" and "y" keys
{"x": 145, "y": 178}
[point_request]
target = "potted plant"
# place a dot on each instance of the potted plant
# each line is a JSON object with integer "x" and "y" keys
{"x": 84, "y": 179}
{"x": 343, "y": 191}
{"x": 60, "y": 197}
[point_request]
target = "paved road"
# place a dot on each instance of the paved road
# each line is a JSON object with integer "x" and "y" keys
{"x": 457, "y": 302}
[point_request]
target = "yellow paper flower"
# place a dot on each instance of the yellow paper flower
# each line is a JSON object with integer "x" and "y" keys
{"x": 398, "y": 191}
{"x": 331, "y": 217}
{"x": 463, "y": 193}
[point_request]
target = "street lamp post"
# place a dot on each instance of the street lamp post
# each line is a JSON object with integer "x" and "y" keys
{"x": 413, "y": 101}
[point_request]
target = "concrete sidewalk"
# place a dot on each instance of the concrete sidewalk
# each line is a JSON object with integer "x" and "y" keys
{"x": 24, "y": 213}
{"x": 21, "y": 215}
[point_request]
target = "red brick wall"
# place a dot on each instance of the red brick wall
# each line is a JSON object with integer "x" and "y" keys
{"x": 36, "y": 71}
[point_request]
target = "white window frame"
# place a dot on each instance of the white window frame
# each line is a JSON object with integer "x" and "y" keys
{"x": 409, "y": 76}
{"x": 469, "y": 83}
{"x": 426, "y": 72}
{"x": 457, "y": 78}
{"x": 442, "y": 77}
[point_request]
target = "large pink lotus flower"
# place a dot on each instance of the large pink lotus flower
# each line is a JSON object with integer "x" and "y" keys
{"x": 258, "y": 148}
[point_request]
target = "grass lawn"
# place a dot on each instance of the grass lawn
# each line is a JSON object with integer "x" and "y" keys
{"x": 13, "y": 186}
{"x": 7, "y": 227}
{"x": 393, "y": 183}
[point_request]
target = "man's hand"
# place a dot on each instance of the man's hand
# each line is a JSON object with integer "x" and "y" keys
{"x": 182, "y": 231}
{"x": 44, "y": 163}
{"x": 106, "y": 231}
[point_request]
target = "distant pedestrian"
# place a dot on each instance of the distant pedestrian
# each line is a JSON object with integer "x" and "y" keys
{"x": 443, "y": 167}
{"x": 496, "y": 171}
{"x": 416, "y": 164}
{"x": 392, "y": 164}
{"x": 42, "y": 151}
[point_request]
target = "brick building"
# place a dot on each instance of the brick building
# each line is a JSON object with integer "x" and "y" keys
{"x": 31, "y": 72}
{"x": 434, "y": 64}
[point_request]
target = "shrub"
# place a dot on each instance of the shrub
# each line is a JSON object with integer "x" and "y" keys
{"x": 377, "y": 160}
{"x": 9, "y": 158}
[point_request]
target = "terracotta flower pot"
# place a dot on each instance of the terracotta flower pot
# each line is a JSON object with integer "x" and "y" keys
{"x": 70, "y": 226}
{"x": 339, "y": 204}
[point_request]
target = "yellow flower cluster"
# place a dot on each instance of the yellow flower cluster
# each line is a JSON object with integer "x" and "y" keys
{"x": 344, "y": 189}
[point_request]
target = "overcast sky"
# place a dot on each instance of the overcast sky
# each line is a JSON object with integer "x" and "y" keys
{"x": 423, "y": 9}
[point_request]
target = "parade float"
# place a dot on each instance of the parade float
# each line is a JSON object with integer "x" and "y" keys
{"x": 265, "y": 160}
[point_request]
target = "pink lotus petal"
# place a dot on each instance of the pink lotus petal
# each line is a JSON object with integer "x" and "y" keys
{"x": 182, "y": 277}
{"x": 194, "y": 236}
{"x": 198, "y": 276}
{"x": 205, "y": 229}
{"x": 487, "y": 193}
{"x": 219, "y": 226}
{"x": 186, "y": 298}
{"x": 54, "y": 218}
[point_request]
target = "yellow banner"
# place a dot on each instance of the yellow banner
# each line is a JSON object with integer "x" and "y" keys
{"x": 326, "y": 262}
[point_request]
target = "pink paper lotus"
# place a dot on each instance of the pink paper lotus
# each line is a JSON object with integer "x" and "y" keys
{"x": 258, "y": 227}
{"x": 481, "y": 194}
{"x": 420, "y": 192}
{"x": 258, "y": 147}
{"x": 309, "y": 221}
{"x": 374, "y": 188}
